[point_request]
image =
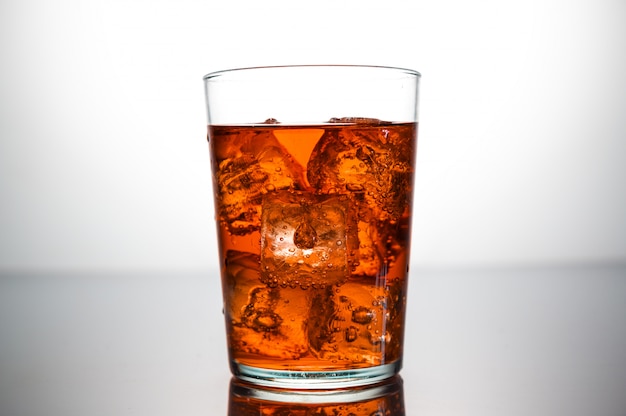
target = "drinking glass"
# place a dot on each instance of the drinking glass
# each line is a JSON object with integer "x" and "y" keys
{"x": 313, "y": 172}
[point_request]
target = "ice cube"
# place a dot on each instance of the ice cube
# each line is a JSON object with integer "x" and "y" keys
{"x": 263, "y": 321}
{"x": 307, "y": 240}
{"x": 349, "y": 323}
{"x": 370, "y": 259}
{"x": 249, "y": 165}
{"x": 360, "y": 322}
{"x": 241, "y": 277}
{"x": 355, "y": 120}
{"x": 369, "y": 160}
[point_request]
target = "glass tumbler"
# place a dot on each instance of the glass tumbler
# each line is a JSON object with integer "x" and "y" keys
{"x": 313, "y": 172}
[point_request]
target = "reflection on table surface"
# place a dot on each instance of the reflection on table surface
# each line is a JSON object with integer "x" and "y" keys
{"x": 382, "y": 399}
{"x": 545, "y": 341}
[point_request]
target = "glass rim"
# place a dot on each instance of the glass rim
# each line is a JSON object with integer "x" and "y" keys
{"x": 223, "y": 72}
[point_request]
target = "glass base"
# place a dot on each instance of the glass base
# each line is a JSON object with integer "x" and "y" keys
{"x": 311, "y": 380}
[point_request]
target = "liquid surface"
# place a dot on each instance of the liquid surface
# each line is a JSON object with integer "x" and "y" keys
{"x": 314, "y": 234}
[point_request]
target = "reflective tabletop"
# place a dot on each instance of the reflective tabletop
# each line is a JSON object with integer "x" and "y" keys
{"x": 494, "y": 341}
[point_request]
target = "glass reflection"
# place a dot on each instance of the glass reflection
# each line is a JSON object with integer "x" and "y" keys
{"x": 382, "y": 399}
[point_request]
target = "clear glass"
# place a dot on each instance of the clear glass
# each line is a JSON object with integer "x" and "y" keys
{"x": 313, "y": 172}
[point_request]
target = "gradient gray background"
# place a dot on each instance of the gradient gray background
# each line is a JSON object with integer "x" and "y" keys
{"x": 518, "y": 281}
{"x": 103, "y": 158}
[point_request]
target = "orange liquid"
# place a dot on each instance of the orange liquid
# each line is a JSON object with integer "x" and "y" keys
{"x": 314, "y": 235}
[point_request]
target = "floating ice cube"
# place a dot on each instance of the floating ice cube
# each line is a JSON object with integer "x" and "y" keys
{"x": 369, "y": 160}
{"x": 265, "y": 321}
{"x": 307, "y": 240}
{"x": 349, "y": 324}
{"x": 370, "y": 260}
{"x": 248, "y": 166}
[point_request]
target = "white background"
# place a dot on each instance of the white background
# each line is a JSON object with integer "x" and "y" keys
{"x": 104, "y": 162}
{"x": 517, "y": 291}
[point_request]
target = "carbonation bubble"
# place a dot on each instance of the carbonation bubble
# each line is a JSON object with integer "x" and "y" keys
{"x": 305, "y": 236}
{"x": 351, "y": 334}
{"x": 362, "y": 315}
{"x": 354, "y": 187}
{"x": 266, "y": 321}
